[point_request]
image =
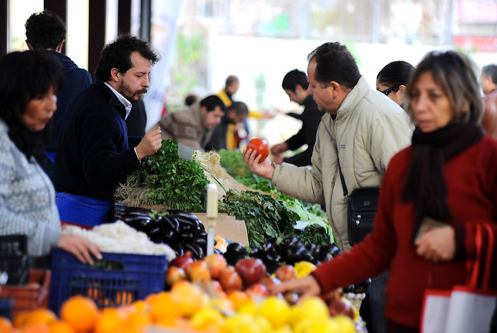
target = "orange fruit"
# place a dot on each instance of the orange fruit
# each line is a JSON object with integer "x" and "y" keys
{"x": 80, "y": 313}
{"x": 110, "y": 321}
{"x": 165, "y": 305}
{"x": 239, "y": 298}
{"x": 6, "y": 325}
{"x": 21, "y": 319}
{"x": 60, "y": 327}
{"x": 41, "y": 316}
{"x": 178, "y": 323}
{"x": 136, "y": 329}
{"x": 35, "y": 328}
{"x": 138, "y": 318}
{"x": 189, "y": 296}
{"x": 150, "y": 299}
{"x": 141, "y": 306}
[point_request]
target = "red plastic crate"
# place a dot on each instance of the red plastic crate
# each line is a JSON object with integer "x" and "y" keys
{"x": 32, "y": 296}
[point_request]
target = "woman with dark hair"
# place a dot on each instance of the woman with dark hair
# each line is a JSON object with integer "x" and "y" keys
{"x": 449, "y": 175}
{"x": 392, "y": 80}
{"x": 28, "y": 84}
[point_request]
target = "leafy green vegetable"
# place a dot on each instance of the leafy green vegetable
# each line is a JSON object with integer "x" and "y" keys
{"x": 316, "y": 232}
{"x": 234, "y": 164}
{"x": 264, "y": 216}
{"x": 170, "y": 180}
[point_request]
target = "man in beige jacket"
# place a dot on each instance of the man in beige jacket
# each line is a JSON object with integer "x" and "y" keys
{"x": 365, "y": 126}
{"x": 193, "y": 126}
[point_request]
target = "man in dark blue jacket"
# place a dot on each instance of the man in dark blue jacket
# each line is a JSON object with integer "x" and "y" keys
{"x": 46, "y": 31}
{"x": 94, "y": 153}
{"x": 295, "y": 85}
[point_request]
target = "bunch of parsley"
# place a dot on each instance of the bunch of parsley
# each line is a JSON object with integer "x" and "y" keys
{"x": 171, "y": 180}
{"x": 264, "y": 216}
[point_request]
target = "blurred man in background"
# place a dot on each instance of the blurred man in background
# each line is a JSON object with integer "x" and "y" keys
{"x": 46, "y": 31}
{"x": 489, "y": 87}
{"x": 295, "y": 85}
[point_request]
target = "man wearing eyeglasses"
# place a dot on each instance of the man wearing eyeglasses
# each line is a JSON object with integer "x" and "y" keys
{"x": 362, "y": 130}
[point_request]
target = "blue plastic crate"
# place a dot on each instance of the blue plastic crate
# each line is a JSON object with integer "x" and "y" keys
{"x": 6, "y": 307}
{"x": 115, "y": 280}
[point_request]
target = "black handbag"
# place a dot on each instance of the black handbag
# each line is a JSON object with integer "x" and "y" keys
{"x": 362, "y": 205}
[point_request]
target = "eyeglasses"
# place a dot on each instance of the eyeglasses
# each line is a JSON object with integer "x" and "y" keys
{"x": 389, "y": 90}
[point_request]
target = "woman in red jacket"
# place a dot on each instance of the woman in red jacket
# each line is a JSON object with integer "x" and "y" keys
{"x": 448, "y": 174}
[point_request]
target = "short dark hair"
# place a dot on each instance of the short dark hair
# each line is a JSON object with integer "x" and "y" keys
{"x": 455, "y": 75}
{"x": 240, "y": 108}
{"x": 335, "y": 63}
{"x": 117, "y": 54}
{"x": 44, "y": 72}
{"x": 230, "y": 80}
{"x": 211, "y": 102}
{"x": 45, "y": 30}
{"x": 490, "y": 71}
{"x": 190, "y": 99}
{"x": 294, "y": 78}
{"x": 395, "y": 74}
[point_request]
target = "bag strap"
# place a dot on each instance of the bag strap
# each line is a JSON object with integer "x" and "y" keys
{"x": 342, "y": 179}
{"x": 475, "y": 274}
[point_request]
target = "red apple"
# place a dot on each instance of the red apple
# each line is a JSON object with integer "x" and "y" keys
{"x": 286, "y": 273}
{"x": 338, "y": 307}
{"x": 198, "y": 271}
{"x": 230, "y": 280}
{"x": 182, "y": 261}
{"x": 257, "y": 289}
{"x": 216, "y": 263}
{"x": 251, "y": 270}
{"x": 174, "y": 274}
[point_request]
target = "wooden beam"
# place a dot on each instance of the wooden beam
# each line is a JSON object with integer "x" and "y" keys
{"x": 59, "y": 7}
{"x": 4, "y": 26}
{"x": 96, "y": 33}
{"x": 124, "y": 17}
{"x": 145, "y": 19}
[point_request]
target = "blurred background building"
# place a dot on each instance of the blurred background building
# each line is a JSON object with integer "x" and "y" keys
{"x": 204, "y": 41}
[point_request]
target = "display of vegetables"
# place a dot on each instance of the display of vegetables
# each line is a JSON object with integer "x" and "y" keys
{"x": 181, "y": 230}
{"x": 264, "y": 216}
{"x": 166, "y": 179}
{"x": 232, "y": 161}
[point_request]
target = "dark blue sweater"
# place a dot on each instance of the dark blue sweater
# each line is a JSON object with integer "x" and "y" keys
{"x": 93, "y": 156}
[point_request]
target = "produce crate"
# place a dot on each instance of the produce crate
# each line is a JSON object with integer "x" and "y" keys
{"x": 115, "y": 280}
{"x": 14, "y": 258}
{"x": 30, "y": 297}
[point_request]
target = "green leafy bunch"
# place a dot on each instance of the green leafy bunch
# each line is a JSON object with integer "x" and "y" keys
{"x": 264, "y": 216}
{"x": 234, "y": 164}
{"x": 173, "y": 181}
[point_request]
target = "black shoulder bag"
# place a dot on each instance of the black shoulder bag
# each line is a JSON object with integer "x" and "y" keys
{"x": 362, "y": 205}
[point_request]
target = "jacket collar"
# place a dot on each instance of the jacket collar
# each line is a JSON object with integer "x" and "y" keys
{"x": 308, "y": 101}
{"x": 112, "y": 98}
{"x": 349, "y": 104}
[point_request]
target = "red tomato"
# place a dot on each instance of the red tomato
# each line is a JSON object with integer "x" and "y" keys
{"x": 260, "y": 146}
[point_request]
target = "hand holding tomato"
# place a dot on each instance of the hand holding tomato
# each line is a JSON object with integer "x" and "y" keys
{"x": 257, "y": 165}
{"x": 260, "y": 146}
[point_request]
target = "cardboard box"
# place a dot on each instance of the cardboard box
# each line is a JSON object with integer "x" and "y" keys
{"x": 228, "y": 227}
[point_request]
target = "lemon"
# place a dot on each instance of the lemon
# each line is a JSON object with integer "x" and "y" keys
{"x": 248, "y": 308}
{"x": 263, "y": 324}
{"x": 237, "y": 320}
{"x": 247, "y": 328}
{"x": 345, "y": 324}
{"x": 303, "y": 325}
{"x": 276, "y": 311}
{"x": 326, "y": 326}
{"x": 285, "y": 329}
{"x": 207, "y": 317}
{"x": 304, "y": 268}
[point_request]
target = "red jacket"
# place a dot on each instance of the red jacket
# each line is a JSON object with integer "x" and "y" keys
{"x": 471, "y": 179}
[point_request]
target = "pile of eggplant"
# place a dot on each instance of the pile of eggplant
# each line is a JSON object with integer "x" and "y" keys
{"x": 181, "y": 230}
{"x": 275, "y": 254}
